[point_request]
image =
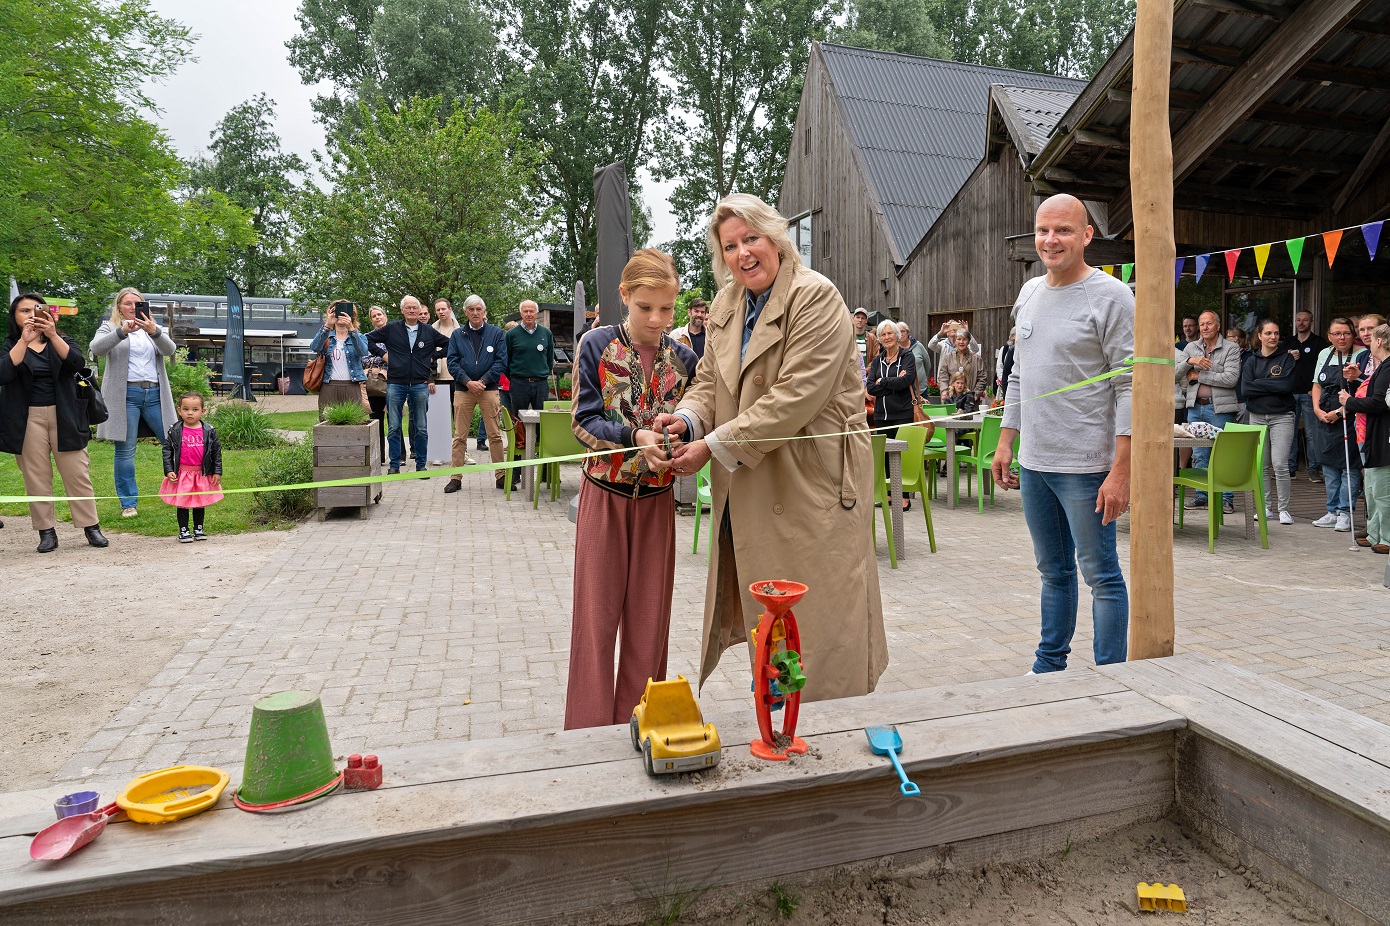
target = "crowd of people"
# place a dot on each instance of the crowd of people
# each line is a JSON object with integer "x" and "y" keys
{"x": 1332, "y": 387}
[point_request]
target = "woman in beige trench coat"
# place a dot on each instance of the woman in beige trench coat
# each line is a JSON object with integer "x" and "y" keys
{"x": 799, "y": 509}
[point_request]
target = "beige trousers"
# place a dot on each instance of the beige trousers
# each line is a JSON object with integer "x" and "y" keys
{"x": 36, "y": 463}
{"x": 465, "y": 401}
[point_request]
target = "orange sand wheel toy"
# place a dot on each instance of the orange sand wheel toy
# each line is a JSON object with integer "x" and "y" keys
{"x": 777, "y": 676}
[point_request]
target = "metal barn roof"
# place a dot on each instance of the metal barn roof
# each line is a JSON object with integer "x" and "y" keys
{"x": 920, "y": 126}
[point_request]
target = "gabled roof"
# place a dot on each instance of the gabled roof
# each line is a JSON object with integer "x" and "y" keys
{"x": 1029, "y": 115}
{"x": 919, "y": 124}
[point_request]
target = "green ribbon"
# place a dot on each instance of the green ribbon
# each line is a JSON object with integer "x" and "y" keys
{"x": 567, "y": 458}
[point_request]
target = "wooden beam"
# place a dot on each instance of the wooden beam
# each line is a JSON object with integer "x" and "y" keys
{"x": 1340, "y": 75}
{"x": 1097, "y": 139}
{"x": 1240, "y": 9}
{"x": 1271, "y": 157}
{"x": 1363, "y": 170}
{"x": 1283, "y": 53}
{"x": 1151, "y": 632}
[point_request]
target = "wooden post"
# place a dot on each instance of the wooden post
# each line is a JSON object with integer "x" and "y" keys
{"x": 1151, "y": 448}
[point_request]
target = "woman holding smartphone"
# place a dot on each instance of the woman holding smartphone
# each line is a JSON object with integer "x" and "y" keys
{"x": 344, "y": 378}
{"x": 134, "y": 384}
{"x": 41, "y": 419}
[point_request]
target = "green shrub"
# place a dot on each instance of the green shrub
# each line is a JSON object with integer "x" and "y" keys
{"x": 286, "y": 464}
{"x": 346, "y": 413}
{"x": 241, "y": 426}
{"x": 185, "y": 377}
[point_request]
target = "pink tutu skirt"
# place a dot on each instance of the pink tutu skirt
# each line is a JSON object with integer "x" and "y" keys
{"x": 191, "y": 479}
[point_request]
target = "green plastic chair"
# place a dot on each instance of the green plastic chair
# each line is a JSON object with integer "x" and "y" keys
{"x": 936, "y": 447}
{"x": 915, "y": 471}
{"x": 980, "y": 460}
{"x": 1236, "y": 465}
{"x": 509, "y": 429}
{"x": 703, "y": 499}
{"x": 555, "y": 438}
{"x": 881, "y": 499}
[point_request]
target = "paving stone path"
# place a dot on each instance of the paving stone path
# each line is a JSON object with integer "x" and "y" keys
{"x": 447, "y": 617}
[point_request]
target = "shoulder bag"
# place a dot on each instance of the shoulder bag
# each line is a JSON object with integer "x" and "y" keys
{"x": 89, "y": 397}
{"x": 313, "y": 371}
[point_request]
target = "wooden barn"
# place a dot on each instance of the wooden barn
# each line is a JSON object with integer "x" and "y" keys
{"x": 1280, "y": 115}
{"x": 883, "y": 144}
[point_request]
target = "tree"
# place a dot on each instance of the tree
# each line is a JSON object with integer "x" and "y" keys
{"x": 902, "y": 26}
{"x": 737, "y": 67}
{"x": 420, "y": 204}
{"x": 1069, "y": 38}
{"x": 393, "y": 50}
{"x": 249, "y": 169}
{"x": 82, "y": 173}
{"x": 587, "y": 72}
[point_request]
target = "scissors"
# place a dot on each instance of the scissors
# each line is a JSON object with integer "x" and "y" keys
{"x": 666, "y": 441}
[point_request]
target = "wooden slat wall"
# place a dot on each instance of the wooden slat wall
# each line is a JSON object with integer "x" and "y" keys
{"x": 851, "y": 244}
{"x": 962, "y": 266}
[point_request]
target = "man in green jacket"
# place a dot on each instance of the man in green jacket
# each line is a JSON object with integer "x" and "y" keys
{"x": 531, "y": 357}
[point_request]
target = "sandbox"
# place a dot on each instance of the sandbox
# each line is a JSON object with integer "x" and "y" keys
{"x": 1293, "y": 792}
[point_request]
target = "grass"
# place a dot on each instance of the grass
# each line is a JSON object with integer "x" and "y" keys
{"x": 235, "y": 514}
{"x": 293, "y": 421}
{"x": 785, "y": 901}
{"x": 346, "y": 413}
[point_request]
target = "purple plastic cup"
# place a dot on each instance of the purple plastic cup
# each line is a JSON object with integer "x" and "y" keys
{"x": 70, "y": 805}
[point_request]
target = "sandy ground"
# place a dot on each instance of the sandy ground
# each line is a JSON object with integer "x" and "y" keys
{"x": 1091, "y": 883}
{"x": 84, "y": 642}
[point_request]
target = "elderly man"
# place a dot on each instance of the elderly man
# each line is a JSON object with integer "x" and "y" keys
{"x": 412, "y": 347}
{"x": 1304, "y": 346}
{"x": 781, "y": 369}
{"x": 531, "y": 353}
{"x": 477, "y": 360}
{"x": 1074, "y": 323}
{"x": 692, "y": 334}
{"x": 1211, "y": 369}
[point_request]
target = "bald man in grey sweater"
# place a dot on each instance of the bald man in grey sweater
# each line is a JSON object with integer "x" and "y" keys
{"x": 1074, "y": 323}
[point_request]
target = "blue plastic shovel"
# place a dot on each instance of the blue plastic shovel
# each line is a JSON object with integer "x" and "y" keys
{"x": 885, "y": 741}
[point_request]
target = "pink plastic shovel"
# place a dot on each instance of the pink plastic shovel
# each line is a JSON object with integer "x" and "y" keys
{"x": 61, "y": 839}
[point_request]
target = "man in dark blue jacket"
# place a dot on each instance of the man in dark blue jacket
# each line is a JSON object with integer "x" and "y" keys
{"x": 412, "y": 347}
{"x": 477, "y": 360}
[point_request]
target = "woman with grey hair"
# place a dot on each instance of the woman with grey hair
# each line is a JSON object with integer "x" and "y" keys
{"x": 135, "y": 385}
{"x": 777, "y": 409}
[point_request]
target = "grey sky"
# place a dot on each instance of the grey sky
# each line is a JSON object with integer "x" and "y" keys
{"x": 241, "y": 52}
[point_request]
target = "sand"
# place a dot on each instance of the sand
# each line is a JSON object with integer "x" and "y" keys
{"x": 1089, "y": 883}
{"x": 82, "y": 642}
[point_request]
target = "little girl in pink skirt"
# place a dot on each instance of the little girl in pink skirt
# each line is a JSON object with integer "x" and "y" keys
{"x": 192, "y": 467}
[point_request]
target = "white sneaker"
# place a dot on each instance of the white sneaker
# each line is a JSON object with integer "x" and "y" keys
{"x": 1269, "y": 515}
{"x": 469, "y": 461}
{"x": 128, "y": 512}
{"x": 1343, "y": 521}
{"x": 1285, "y": 518}
{"x": 1327, "y": 520}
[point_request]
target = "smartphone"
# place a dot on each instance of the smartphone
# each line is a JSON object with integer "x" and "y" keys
{"x": 343, "y": 308}
{"x": 142, "y": 310}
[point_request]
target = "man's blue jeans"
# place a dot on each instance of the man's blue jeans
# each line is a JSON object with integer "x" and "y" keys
{"x": 1201, "y": 456}
{"x": 397, "y": 395}
{"x": 139, "y": 403}
{"x": 1060, "y": 509}
{"x": 1303, "y": 408}
{"x": 1338, "y": 482}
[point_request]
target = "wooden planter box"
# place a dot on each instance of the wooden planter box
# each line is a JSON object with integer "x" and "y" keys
{"x": 347, "y": 451}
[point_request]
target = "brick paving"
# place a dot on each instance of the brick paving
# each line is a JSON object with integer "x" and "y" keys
{"x": 447, "y": 617}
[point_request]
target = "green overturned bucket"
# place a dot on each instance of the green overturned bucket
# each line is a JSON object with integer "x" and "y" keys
{"x": 288, "y": 758}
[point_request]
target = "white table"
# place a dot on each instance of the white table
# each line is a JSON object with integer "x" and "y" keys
{"x": 531, "y": 419}
{"x": 894, "y": 452}
{"x": 951, "y": 426}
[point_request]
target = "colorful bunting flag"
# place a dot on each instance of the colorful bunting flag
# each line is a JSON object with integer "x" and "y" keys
{"x": 1108, "y": 268}
{"x": 1232, "y": 256}
{"x": 1371, "y": 232}
{"x": 1201, "y": 262}
{"x": 1295, "y": 246}
{"x": 1177, "y": 270}
{"x": 1261, "y": 258}
{"x": 1126, "y": 271}
{"x": 1330, "y": 241}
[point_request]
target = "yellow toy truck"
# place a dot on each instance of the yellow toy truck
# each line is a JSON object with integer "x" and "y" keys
{"x": 670, "y": 732}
